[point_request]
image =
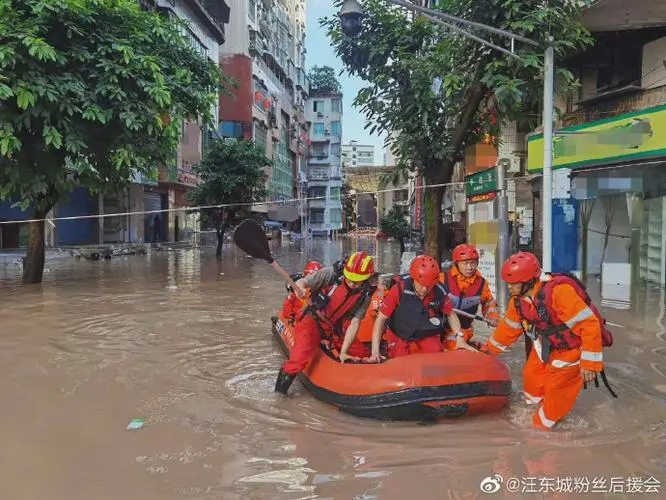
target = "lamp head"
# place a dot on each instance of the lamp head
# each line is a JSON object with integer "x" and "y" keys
{"x": 351, "y": 17}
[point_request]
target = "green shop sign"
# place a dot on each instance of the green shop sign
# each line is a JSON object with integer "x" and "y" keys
{"x": 481, "y": 182}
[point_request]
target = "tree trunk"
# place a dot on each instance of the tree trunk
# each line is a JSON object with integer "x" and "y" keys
{"x": 33, "y": 267}
{"x": 402, "y": 245}
{"x": 433, "y": 213}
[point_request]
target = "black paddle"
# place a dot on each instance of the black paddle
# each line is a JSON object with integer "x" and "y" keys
{"x": 251, "y": 238}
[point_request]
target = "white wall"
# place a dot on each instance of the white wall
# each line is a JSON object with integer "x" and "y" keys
{"x": 618, "y": 248}
{"x": 328, "y": 115}
{"x": 184, "y": 12}
{"x": 237, "y": 34}
{"x": 200, "y": 31}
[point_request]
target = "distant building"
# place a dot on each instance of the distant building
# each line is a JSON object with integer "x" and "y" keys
{"x": 265, "y": 54}
{"x": 324, "y": 172}
{"x": 358, "y": 155}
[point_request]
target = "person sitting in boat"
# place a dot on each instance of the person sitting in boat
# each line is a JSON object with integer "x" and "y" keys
{"x": 356, "y": 348}
{"x": 415, "y": 310}
{"x": 467, "y": 289}
{"x": 293, "y": 304}
{"x": 334, "y": 297}
{"x": 566, "y": 337}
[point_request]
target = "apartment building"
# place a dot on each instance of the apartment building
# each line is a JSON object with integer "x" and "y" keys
{"x": 265, "y": 54}
{"x": 358, "y": 155}
{"x": 324, "y": 170}
{"x": 206, "y": 32}
{"x": 610, "y": 148}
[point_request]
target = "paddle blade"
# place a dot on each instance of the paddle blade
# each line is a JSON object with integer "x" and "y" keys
{"x": 251, "y": 238}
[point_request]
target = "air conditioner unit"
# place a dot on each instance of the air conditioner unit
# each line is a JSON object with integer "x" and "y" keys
{"x": 512, "y": 164}
{"x": 515, "y": 167}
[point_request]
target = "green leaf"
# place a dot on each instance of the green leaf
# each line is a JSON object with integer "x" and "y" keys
{"x": 5, "y": 92}
{"x": 24, "y": 98}
{"x": 52, "y": 137}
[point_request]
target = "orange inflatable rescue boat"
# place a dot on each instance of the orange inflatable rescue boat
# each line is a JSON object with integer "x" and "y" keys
{"x": 414, "y": 387}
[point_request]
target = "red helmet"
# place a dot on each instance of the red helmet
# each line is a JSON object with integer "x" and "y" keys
{"x": 465, "y": 252}
{"x": 424, "y": 270}
{"x": 359, "y": 267}
{"x": 311, "y": 267}
{"x": 521, "y": 267}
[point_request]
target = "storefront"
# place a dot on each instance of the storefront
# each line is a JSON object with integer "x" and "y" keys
{"x": 154, "y": 224}
{"x": 618, "y": 184}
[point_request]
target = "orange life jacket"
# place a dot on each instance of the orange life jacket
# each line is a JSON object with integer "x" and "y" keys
{"x": 467, "y": 300}
{"x": 334, "y": 303}
{"x": 554, "y": 333}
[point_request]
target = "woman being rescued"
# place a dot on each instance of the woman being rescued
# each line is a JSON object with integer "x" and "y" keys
{"x": 415, "y": 310}
{"x": 467, "y": 289}
{"x": 358, "y": 348}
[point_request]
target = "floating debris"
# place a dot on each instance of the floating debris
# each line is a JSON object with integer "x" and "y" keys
{"x": 135, "y": 424}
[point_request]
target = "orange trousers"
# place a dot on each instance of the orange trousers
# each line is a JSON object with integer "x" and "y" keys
{"x": 398, "y": 347}
{"x": 553, "y": 386}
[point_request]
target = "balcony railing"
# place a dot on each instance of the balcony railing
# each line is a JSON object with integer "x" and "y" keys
{"x": 617, "y": 106}
{"x": 318, "y": 174}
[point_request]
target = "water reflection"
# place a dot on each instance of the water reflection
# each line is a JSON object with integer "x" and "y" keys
{"x": 183, "y": 340}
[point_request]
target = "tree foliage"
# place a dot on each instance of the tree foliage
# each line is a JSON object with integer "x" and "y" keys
{"x": 90, "y": 92}
{"x": 395, "y": 225}
{"x": 231, "y": 173}
{"x": 347, "y": 206}
{"x": 440, "y": 92}
{"x": 323, "y": 80}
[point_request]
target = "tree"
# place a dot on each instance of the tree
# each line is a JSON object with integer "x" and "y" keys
{"x": 323, "y": 81}
{"x": 91, "y": 92}
{"x": 347, "y": 206}
{"x": 231, "y": 173}
{"x": 441, "y": 92}
{"x": 394, "y": 225}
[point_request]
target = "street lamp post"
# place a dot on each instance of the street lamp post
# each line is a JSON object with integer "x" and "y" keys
{"x": 351, "y": 20}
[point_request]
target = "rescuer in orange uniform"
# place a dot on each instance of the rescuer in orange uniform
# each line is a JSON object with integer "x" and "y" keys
{"x": 415, "y": 310}
{"x": 293, "y": 304}
{"x": 467, "y": 288}
{"x": 566, "y": 337}
{"x": 334, "y": 298}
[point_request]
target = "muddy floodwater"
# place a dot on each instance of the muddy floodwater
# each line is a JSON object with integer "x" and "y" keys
{"x": 183, "y": 341}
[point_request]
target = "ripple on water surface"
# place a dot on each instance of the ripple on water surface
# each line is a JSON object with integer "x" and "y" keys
{"x": 183, "y": 341}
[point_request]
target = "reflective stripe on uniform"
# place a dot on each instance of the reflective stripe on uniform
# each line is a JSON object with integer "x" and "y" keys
{"x": 591, "y": 356}
{"x": 532, "y": 400}
{"x": 538, "y": 348}
{"x": 582, "y": 315}
{"x": 545, "y": 421}
{"x": 511, "y": 323}
{"x": 558, "y": 363}
{"x": 496, "y": 344}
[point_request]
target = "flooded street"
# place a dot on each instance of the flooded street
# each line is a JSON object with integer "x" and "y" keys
{"x": 183, "y": 341}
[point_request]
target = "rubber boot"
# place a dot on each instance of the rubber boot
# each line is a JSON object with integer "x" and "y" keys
{"x": 284, "y": 381}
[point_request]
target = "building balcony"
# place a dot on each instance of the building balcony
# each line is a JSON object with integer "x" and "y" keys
{"x": 217, "y": 10}
{"x": 257, "y": 44}
{"x": 321, "y": 203}
{"x": 589, "y": 110}
{"x": 323, "y": 159}
{"x": 302, "y": 81}
{"x": 318, "y": 174}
